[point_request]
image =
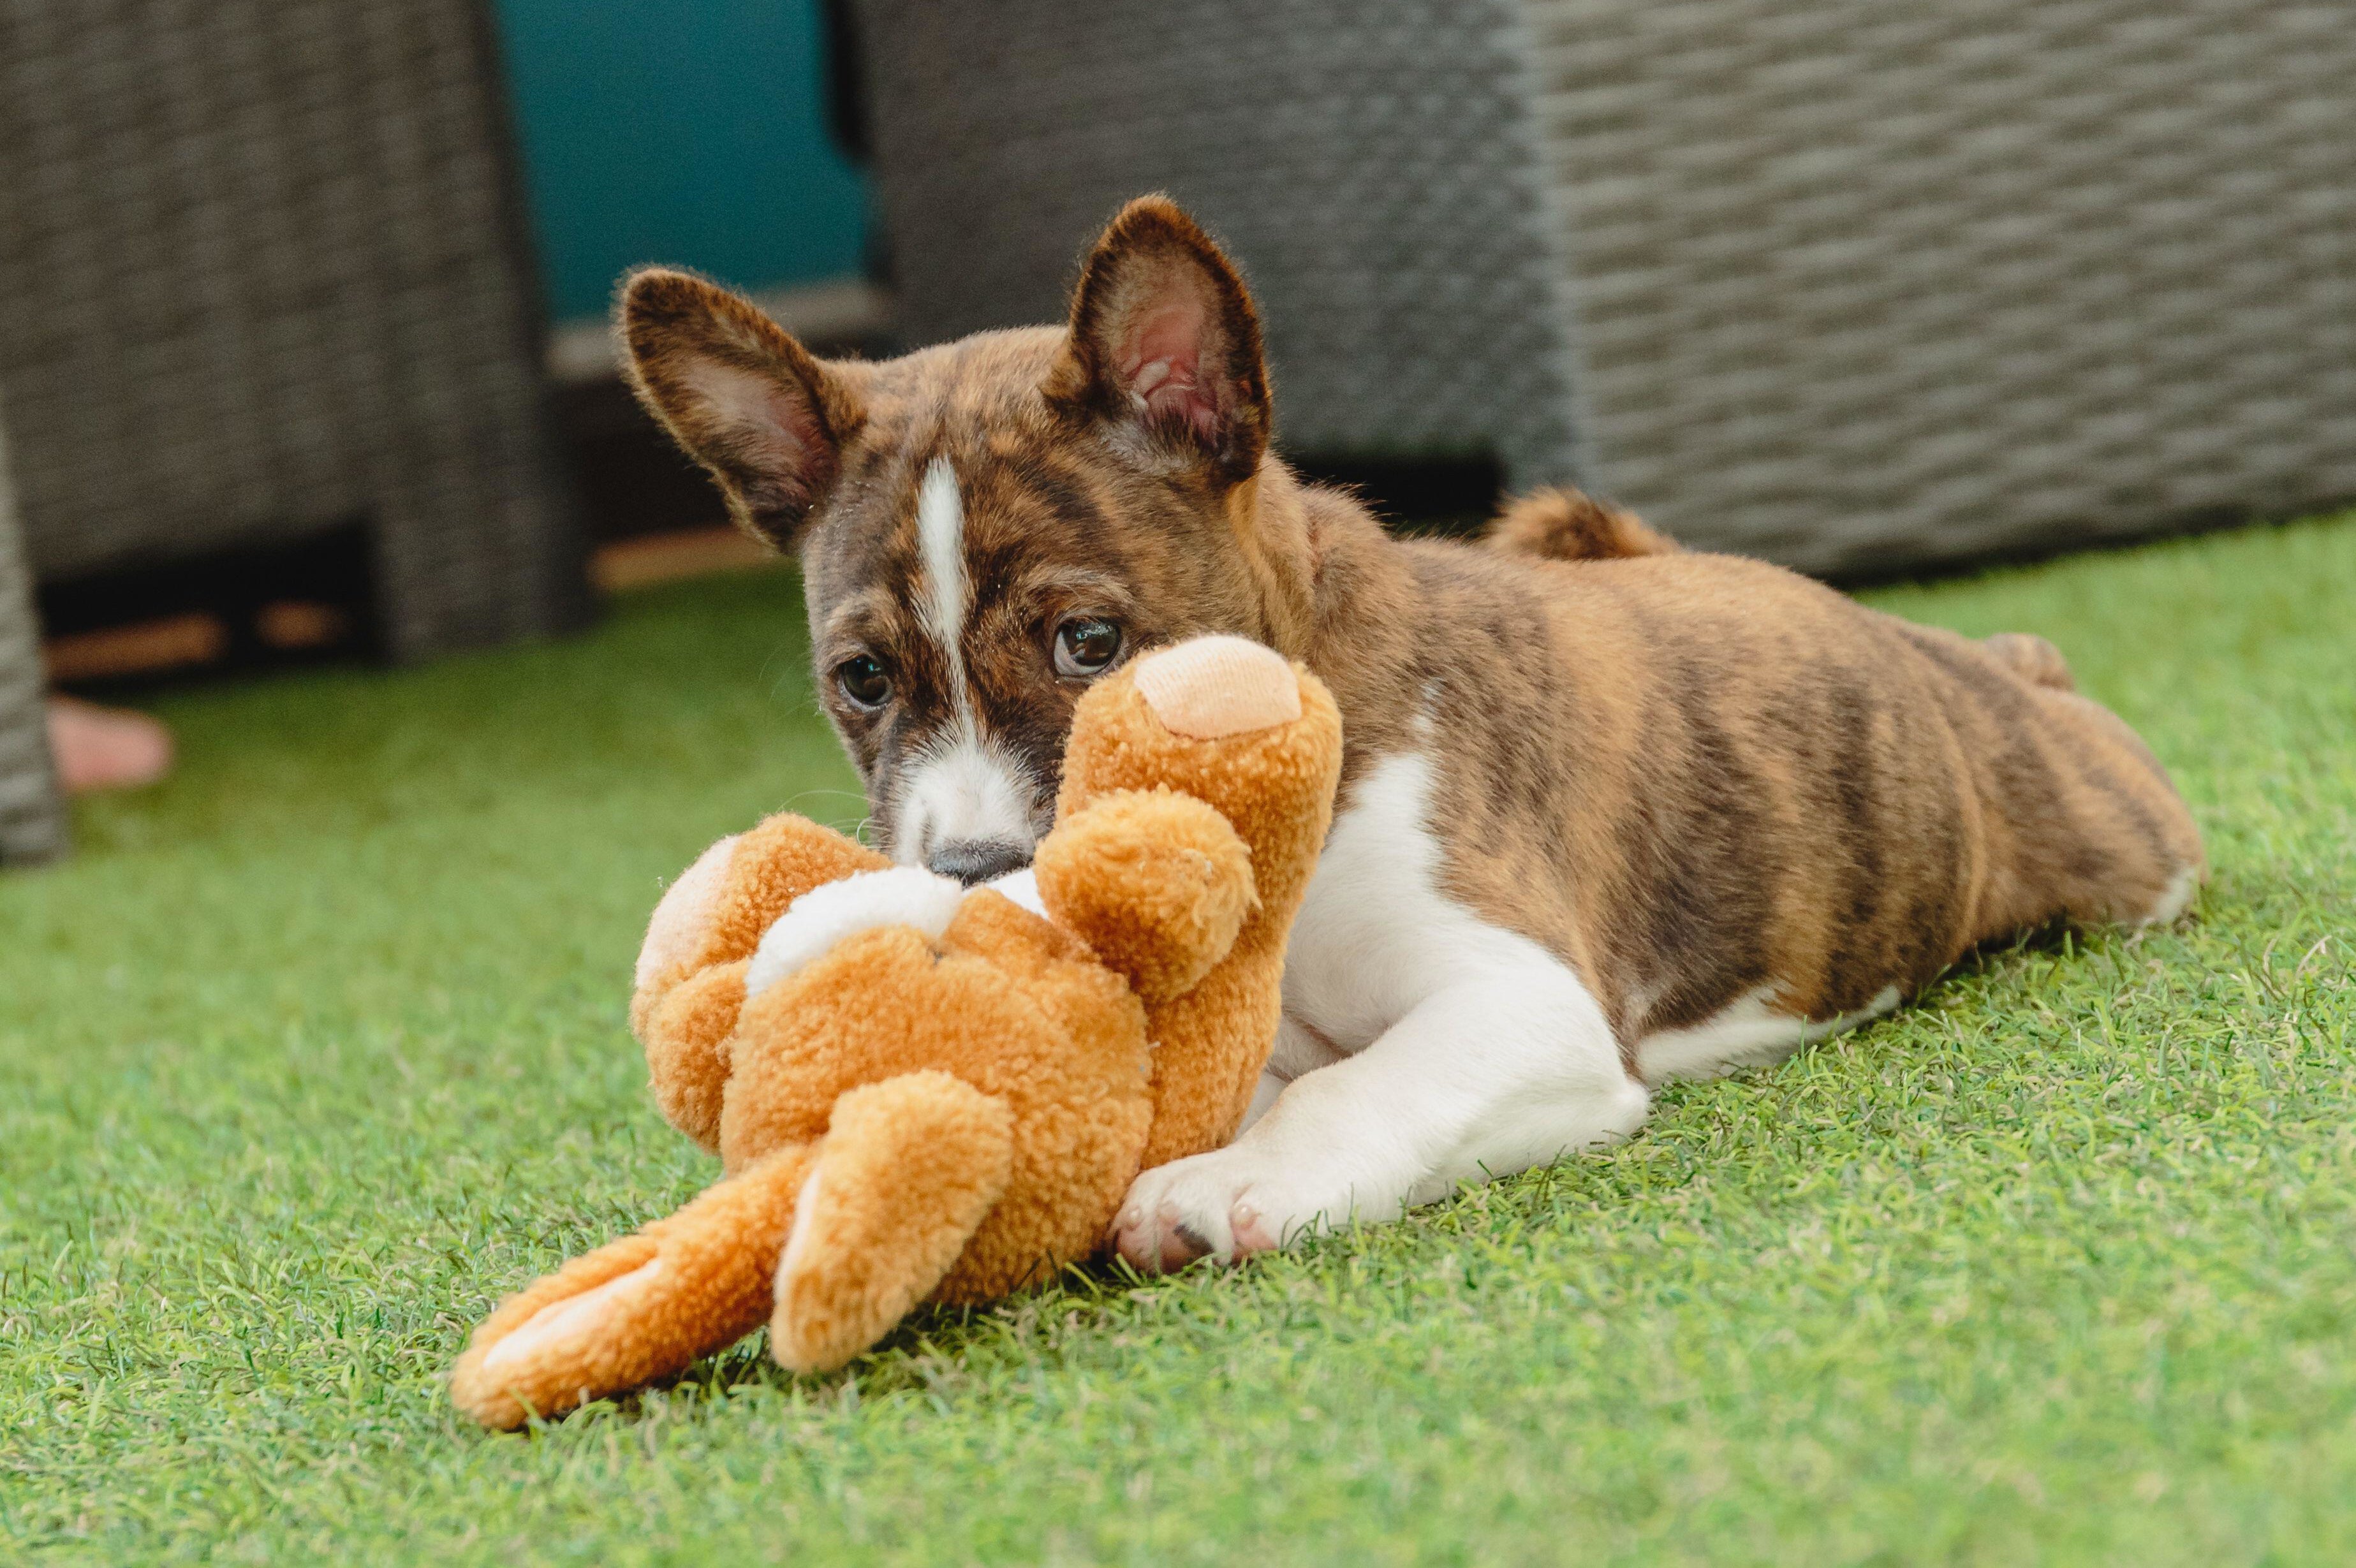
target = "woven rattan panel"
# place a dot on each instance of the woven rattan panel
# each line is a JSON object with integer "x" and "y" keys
{"x": 32, "y": 823}
{"x": 264, "y": 280}
{"x": 1365, "y": 159}
{"x": 1861, "y": 284}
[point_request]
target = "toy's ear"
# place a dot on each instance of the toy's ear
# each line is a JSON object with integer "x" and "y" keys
{"x": 1165, "y": 343}
{"x": 741, "y": 396}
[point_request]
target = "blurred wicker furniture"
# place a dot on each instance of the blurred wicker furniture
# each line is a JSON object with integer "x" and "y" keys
{"x": 1853, "y": 285}
{"x": 32, "y": 820}
{"x": 264, "y": 277}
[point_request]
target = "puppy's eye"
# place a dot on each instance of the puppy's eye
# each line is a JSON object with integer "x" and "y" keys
{"x": 864, "y": 681}
{"x": 1085, "y": 645}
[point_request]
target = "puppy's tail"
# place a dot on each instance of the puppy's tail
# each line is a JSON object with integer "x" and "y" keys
{"x": 1563, "y": 525}
{"x": 2033, "y": 659}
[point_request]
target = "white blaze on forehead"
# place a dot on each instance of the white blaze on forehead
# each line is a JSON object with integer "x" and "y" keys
{"x": 940, "y": 544}
{"x": 963, "y": 787}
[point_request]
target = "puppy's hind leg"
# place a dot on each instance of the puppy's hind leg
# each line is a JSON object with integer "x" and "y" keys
{"x": 2133, "y": 854}
{"x": 1489, "y": 1075}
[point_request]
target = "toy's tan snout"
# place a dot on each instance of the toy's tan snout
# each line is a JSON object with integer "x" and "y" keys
{"x": 1215, "y": 687}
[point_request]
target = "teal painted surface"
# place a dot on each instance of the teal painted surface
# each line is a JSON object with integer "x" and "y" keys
{"x": 680, "y": 130}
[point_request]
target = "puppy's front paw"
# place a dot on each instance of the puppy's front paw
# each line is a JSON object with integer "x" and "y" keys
{"x": 1224, "y": 1205}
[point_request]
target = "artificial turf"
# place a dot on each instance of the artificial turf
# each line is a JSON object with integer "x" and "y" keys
{"x": 317, "y": 1049}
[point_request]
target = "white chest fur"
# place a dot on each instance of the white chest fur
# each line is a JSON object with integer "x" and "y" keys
{"x": 1376, "y": 935}
{"x": 1423, "y": 1046}
{"x": 1353, "y": 964}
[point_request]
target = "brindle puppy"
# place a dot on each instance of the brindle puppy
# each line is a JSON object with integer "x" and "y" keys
{"x": 1611, "y": 813}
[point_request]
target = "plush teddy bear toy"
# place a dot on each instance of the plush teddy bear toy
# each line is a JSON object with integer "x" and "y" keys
{"x": 920, "y": 1091}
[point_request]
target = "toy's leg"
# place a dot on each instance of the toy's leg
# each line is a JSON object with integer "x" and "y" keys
{"x": 2137, "y": 857}
{"x": 641, "y": 1309}
{"x": 908, "y": 1170}
{"x": 1483, "y": 1078}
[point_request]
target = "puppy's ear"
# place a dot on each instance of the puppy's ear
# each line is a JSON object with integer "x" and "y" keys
{"x": 1164, "y": 341}
{"x": 741, "y": 396}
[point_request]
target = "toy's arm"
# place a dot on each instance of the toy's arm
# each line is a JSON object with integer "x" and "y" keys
{"x": 1155, "y": 882}
{"x": 639, "y": 1308}
{"x": 908, "y": 1170}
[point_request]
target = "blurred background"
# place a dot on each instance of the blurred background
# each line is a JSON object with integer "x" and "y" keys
{"x": 305, "y": 354}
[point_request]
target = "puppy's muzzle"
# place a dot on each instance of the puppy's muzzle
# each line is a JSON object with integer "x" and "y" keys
{"x": 976, "y": 860}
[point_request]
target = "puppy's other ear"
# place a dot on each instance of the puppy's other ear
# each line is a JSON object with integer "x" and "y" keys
{"x": 1164, "y": 341}
{"x": 741, "y": 396}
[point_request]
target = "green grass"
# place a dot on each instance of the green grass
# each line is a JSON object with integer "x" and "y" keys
{"x": 318, "y": 1048}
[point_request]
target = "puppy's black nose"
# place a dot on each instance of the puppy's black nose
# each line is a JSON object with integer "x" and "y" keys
{"x": 973, "y": 861}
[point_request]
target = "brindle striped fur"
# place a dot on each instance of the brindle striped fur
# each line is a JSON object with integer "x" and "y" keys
{"x": 1693, "y": 775}
{"x": 1558, "y": 524}
{"x": 1686, "y": 775}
